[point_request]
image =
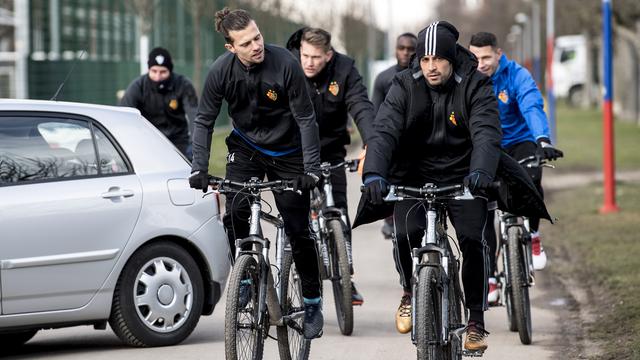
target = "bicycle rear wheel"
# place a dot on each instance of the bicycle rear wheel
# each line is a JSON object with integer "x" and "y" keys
{"x": 341, "y": 276}
{"x": 244, "y": 328}
{"x": 428, "y": 320}
{"x": 519, "y": 287}
{"x": 508, "y": 292}
{"x": 291, "y": 344}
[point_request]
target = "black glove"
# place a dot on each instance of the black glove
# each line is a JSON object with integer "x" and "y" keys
{"x": 376, "y": 189}
{"x": 305, "y": 182}
{"x": 546, "y": 151}
{"x": 199, "y": 180}
{"x": 477, "y": 181}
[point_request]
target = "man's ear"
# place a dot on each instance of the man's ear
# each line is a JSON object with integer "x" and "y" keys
{"x": 499, "y": 51}
{"x": 329, "y": 55}
{"x": 230, "y": 48}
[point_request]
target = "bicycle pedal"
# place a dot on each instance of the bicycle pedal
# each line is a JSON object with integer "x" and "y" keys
{"x": 472, "y": 353}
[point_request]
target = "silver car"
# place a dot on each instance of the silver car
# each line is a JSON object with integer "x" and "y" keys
{"x": 98, "y": 224}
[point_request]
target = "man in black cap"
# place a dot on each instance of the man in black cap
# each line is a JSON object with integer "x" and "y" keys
{"x": 405, "y": 48}
{"x": 165, "y": 98}
{"x": 438, "y": 124}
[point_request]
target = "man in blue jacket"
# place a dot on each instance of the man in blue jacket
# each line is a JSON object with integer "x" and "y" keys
{"x": 524, "y": 127}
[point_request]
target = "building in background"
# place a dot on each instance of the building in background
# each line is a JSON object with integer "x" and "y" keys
{"x": 40, "y": 40}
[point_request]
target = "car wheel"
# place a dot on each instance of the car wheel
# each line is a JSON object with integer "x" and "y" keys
{"x": 16, "y": 339}
{"x": 159, "y": 297}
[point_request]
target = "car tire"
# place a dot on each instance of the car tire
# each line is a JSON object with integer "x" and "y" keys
{"x": 159, "y": 297}
{"x": 16, "y": 339}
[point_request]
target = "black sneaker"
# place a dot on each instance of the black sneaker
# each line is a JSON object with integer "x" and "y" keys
{"x": 356, "y": 297}
{"x": 244, "y": 293}
{"x": 313, "y": 321}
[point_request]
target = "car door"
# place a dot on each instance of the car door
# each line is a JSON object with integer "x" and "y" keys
{"x": 69, "y": 201}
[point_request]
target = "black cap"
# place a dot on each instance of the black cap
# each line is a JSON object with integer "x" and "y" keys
{"x": 161, "y": 57}
{"x": 439, "y": 39}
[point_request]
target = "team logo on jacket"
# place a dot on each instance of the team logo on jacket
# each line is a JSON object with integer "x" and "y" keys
{"x": 173, "y": 104}
{"x": 452, "y": 118}
{"x": 334, "y": 88}
{"x": 503, "y": 96}
{"x": 272, "y": 95}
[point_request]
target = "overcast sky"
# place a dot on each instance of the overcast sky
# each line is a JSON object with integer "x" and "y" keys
{"x": 404, "y": 15}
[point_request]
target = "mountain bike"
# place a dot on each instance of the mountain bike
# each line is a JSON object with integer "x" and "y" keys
{"x": 261, "y": 294}
{"x": 329, "y": 225}
{"x": 517, "y": 275}
{"x": 437, "y": 302}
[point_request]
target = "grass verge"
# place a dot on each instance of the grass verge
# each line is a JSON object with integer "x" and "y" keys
{"x": 603, "y": 255}
{"x": 580, "y": 137}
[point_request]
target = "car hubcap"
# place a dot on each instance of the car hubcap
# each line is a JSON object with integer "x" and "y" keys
{"x": 163, "y": 294}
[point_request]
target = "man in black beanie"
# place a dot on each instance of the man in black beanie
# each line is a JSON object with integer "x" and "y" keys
{"x": 166, "y": 99}
{"x": 438, "y": 124}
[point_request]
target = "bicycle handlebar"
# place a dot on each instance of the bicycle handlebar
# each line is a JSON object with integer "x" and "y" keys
{"x": 253, "y": 184}
{"x": 351, "y": 165}
{"x": 535, "y": 162}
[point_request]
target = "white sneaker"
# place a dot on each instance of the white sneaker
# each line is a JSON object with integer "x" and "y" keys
{"x": 494, "y": 292}
{"x": 539, "y": 256}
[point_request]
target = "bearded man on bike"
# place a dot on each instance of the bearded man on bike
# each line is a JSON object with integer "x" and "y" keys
{"x": 438, "y": 124}
{"x": 274, "y": 134}
{"x": 337, "y": 91}
{"x": 525, "y": 131}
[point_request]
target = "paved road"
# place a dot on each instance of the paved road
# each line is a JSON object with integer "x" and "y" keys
{"x": 374, "y": 335}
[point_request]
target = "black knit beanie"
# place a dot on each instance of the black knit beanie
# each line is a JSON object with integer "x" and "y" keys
{"x": 439, "y": 39}
{"x": 161, "y": 57}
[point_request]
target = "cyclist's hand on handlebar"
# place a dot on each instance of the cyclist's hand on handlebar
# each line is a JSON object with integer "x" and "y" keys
{"x": 478, "y": 181}
{"x": 199, "y": 180}
{"x": 546, "y": 150}
{"x": 305, "y": 182}
{"x": 375, "y": 189}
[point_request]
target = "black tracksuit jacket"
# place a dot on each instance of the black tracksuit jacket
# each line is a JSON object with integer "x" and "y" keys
{"x": 423, "y": 135}
{"x": 268, "y": 102}
{"x": 337, "y": 92}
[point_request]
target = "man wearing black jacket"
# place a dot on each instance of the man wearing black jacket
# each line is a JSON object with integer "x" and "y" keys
{"x": 274, "y": 134}
{"x": 167, "y": 99}
{"x": 439, "y": 124}
{"x": 336, "y": 90}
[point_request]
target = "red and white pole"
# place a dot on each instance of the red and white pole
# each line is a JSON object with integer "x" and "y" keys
{"x": 607, "y": 114}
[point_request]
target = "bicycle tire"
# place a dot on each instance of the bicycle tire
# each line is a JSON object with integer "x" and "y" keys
{"x": 453, "y": 351}
{"x": 427, "y": 315}
{"x": 238, "y": 319}
{"x": 508, "y": 294}
{"x": 341, "y": 276}
{"x": 291, "y": 344}
{"x": 519, "y": 288}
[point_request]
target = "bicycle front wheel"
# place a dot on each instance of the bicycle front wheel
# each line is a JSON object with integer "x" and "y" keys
{"x": 519, "y": 288}
{"x": 244, "y": 328}
{"x": 291, "y": 343}
{"x": 428, "y": 319}
{"x": 341, "y": 276}
{"x": 453, "y": 351}
{"x": 508, "y": 292}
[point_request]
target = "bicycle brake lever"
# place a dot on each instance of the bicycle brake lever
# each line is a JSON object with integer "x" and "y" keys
{"x": 466, "y": 195}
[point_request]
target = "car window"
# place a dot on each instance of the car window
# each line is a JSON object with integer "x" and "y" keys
{"x": 110, "y": 160}
{"x": 567, "y": 54}
{"x": 45, "y": 148}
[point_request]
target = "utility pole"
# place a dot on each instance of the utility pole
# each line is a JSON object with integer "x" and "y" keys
{"x": 609, "y": 205}
{"x": 551, "y": 100}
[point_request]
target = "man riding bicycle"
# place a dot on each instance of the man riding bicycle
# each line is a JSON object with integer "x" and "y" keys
{"x": 274, "y": 133}
{"x": 337, "y": 91}
{"x": 525, "y": 131}
{"x": 438, "y": 124}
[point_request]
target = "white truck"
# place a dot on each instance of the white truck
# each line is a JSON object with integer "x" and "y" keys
{"x": 570, "y": 68}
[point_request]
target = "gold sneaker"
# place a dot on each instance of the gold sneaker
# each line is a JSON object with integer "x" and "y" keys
{"x": 476, "y": 338}
{"x": 403, "y": 315}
